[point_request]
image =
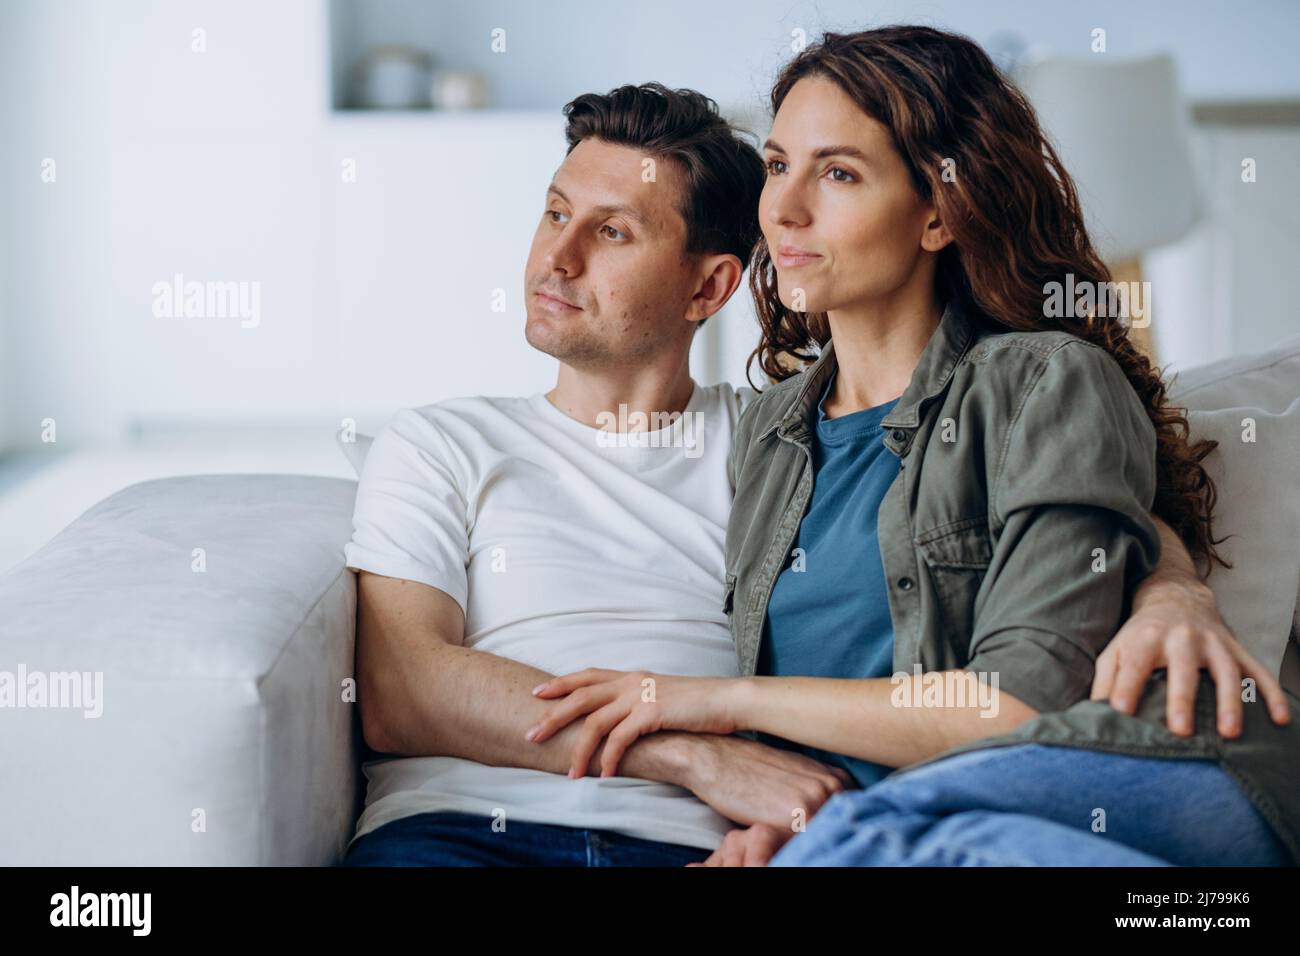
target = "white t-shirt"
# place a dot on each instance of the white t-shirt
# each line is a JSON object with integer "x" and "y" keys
{"x": 567, "y": 546}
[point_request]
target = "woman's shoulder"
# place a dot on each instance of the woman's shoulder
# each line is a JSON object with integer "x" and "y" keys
{"x": 765, "y": 408}
{"x": 1031, "y": 350}
{"x": 1047, "y": 366}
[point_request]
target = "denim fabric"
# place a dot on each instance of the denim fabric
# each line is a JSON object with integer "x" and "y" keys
{"x": 462, "y": 839}
{"x": 1037, "y": 805}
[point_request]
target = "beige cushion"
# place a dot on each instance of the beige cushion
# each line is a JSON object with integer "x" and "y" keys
{"x": 1259, "y": 496}
{"x": 1268, "y": 380}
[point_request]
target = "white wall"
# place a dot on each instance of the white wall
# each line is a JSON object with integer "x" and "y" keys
{"x": 225, "y": 165}
{"x": 1226, "y": 289}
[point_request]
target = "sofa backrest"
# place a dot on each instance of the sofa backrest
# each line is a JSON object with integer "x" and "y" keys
{"x": 1251, "y": 406}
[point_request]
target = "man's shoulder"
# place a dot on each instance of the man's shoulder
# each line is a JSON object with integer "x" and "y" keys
{"x": 452, "y": 416}
{"x": 451, "y": 432}
{"x": 465, "y": 407}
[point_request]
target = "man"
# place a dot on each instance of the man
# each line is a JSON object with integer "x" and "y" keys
{"x": 501, "y": 541}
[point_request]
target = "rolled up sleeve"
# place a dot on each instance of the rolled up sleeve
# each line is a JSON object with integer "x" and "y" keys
{"x": 1070, "y": 529}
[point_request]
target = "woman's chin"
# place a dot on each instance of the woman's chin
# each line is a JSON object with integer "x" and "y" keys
{"x": 797, "y": 302}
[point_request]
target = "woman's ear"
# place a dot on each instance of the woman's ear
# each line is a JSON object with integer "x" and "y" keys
{"x": 936, "y": 234}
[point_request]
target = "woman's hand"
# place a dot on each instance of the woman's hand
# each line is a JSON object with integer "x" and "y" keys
{"x": 623, "y": 705}
{"x": 751, "y": 846}
{"x": 1179, "y": 628}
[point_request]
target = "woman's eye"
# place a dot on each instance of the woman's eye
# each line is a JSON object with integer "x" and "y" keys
{"x": 772, "y": 164}
{"x": 848, "y": 176}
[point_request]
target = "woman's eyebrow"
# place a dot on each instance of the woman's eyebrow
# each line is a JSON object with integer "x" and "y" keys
{"x": 825, "y": 151}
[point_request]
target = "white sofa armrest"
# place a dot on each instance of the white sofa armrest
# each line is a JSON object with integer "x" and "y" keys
{"x": 216, "y": 617}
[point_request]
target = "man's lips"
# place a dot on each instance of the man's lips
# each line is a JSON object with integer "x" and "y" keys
{"x": 790, "y": 257}
{"x": 550, "y": 301}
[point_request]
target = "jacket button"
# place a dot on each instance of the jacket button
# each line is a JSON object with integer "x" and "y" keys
{"x": 898, "y": 435}
{"x": 905, "y": 584}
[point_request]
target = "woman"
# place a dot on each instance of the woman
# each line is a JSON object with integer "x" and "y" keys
{"x": 937, "y": 521}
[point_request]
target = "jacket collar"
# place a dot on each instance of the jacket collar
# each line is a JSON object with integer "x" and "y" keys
{"x": 933, "y": 372}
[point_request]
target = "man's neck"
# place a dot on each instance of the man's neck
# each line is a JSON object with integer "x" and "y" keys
{"x": 584, "y": 394}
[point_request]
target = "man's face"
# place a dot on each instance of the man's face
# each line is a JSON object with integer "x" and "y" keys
{"x": 612, "y": 246}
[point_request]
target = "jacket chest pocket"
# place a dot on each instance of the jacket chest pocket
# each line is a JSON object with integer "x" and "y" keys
{"x": 957, "y": 557}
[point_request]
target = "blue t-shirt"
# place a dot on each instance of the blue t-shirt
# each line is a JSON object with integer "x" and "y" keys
{"x": 828, "y": 615}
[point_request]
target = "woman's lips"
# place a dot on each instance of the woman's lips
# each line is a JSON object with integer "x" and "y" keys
{"x": 789, "y": 257}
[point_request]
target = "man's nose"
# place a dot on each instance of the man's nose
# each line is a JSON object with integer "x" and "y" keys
{"x": 565, "y": 254}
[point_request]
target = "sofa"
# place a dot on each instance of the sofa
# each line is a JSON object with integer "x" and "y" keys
{"x": 197, "y": 635}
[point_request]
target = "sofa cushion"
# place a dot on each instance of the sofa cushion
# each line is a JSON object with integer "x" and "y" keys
{"x": 1258, "y": 501}
{"x": 1260, "y": 518}
{"x": 1268, "y": 380}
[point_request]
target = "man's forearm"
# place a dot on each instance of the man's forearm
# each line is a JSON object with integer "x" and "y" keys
{"x": 459, "y": 702}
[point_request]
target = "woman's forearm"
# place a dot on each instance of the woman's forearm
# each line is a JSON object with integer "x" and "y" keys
{"x": 1175, "y": 577}
{"x": 894, "y": 722}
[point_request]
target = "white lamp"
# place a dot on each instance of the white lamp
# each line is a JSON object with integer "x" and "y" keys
{"x": 1120, "y": 127}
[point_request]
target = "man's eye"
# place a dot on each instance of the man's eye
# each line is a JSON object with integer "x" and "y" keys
{"x": 616, "y": 233}
{"x": 552, "y": 213}
{"x": 774, "y": 163}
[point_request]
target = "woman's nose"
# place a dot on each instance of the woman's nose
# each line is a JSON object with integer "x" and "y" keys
{"x": 786, "y": 206}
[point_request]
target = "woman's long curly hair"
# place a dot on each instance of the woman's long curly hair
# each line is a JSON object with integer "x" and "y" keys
{"x": 1014, "y": 215}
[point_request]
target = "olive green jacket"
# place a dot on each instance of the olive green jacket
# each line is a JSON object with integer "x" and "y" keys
{"x": 1015, "y": 531}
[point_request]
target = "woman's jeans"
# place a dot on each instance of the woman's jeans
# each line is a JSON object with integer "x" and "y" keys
{"x": 461, "y": 839}
{"x": 1041, "y": 805}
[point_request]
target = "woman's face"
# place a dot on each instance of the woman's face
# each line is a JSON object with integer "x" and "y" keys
{"x": 843, "y": 223}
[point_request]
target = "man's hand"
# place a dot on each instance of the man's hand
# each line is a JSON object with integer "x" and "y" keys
{"x": 750, "y": 783}
{"x": 1176, "y": 625}
{"x": 752, "y": 846}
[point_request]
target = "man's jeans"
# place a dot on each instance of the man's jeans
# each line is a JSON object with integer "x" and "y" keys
{"x": 1041, "y": 805}
{"x": 462, "y": 839}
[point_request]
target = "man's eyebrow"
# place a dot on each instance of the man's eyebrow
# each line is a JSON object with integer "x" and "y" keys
{"x": 826, "y": 151}
{"x": 609, "y": 210}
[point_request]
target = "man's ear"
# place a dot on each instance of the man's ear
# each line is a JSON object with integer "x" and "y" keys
{"x": 717, "y": 278}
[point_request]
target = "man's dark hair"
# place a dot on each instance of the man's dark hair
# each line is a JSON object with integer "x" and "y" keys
{"x": 724, "y": 173}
